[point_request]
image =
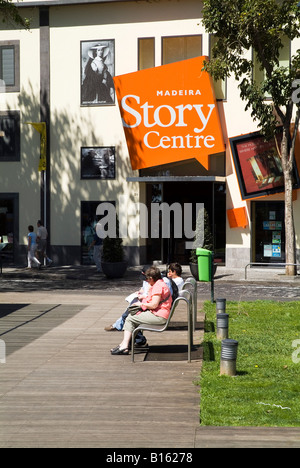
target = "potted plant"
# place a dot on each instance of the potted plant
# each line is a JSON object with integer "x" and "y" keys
{"x": 203, "y": 240}
{"x": 113, "y": 258}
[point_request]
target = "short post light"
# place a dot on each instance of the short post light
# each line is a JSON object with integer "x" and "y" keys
{"x": 220, "y": 306}
{"x": 222, "y": 326}
{"x": 228, "y": 357}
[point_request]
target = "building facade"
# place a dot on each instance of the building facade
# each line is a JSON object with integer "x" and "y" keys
{"x": 50, "y": 75}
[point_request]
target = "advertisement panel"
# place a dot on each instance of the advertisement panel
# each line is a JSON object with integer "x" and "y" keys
{"x": 258, "y": 165}
{"x": 169, "y": 114}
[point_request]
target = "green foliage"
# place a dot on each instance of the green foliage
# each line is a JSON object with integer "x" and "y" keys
{"x": 113, "y": 251}
{"x": 250, "y": 35}
{"x": 267, "y": 377}
{"x": 202, "y": 239}
{"x": 10, "y": 14}
{"x": 260, "y": 25}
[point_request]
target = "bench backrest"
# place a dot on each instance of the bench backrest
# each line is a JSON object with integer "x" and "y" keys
{"x": 191, "y": 285}
{"x": 185, "y": 296}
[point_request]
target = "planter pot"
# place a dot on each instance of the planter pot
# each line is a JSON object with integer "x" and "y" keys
{"x": 195, "y": 271}
{"x": 114, "y": 270}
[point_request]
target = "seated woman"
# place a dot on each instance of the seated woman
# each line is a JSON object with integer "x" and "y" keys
{"x": 174, "y": 273}
{"x": 156, "y": 309}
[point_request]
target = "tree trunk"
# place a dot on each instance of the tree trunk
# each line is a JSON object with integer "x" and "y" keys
{"x": 290, "y": 238}
{"x": 290, "y": 243}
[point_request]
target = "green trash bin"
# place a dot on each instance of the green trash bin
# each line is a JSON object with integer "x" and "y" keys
{"x": 204, "y": 264}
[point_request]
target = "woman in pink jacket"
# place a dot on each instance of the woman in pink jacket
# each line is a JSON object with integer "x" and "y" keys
{"x": 155, "y": 307}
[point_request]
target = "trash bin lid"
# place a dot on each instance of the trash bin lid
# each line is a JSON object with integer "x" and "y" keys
{"x": 203, "y": 252}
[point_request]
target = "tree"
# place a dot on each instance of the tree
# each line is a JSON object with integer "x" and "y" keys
{"x": 9, "y": 13}
{"x": 203, "y": 236}
{"x": 263, "y": 26}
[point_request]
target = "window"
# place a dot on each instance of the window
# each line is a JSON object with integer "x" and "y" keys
{"x": 9, "y": 66}
{"x": 284, "y": 61}
{"x": 10, "y": 136}
{"x": 219, "y": 85}
{"x": 146, "y": 53}
{"x": 89, "y": 220}
{"x": 98, "y": 162}
{"x": 177, "y": 48}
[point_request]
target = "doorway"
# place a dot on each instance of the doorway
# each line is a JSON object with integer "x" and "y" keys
{"x": 211, "y": 194}
{"x": 89, "y": 220}
{"x": 268, "y": 232}
{"x": 9, "y": 226}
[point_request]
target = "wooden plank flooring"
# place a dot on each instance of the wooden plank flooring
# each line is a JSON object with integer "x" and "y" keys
{"x": 60, "y": 386}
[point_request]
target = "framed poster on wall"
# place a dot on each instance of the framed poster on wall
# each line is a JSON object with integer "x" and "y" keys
{"x": 258, "y": 165}
{"x": 97, "y": 72}
{"x": 98, "y": 163}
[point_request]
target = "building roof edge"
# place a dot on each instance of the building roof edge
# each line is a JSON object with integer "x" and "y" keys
{"x": 21, "y": 4}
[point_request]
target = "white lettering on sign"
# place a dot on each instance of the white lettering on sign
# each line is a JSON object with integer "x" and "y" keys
{"x": 180, "y": 92}
{"x": 172, "y": 116}
{"x": 188, "y": 141}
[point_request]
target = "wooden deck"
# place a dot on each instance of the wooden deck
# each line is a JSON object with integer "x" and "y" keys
{"x": 60, "y": 386}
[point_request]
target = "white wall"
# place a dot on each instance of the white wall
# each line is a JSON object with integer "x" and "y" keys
{"x": 23, "y": 177}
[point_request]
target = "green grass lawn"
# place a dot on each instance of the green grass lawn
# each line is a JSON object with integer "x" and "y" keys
{"x": 266, "y": 389}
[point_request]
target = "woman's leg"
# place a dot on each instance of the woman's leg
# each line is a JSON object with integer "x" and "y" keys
{"x": 133, "y": 321}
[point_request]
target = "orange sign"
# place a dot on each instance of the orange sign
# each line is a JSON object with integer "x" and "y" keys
{"x": 169, "y": 114}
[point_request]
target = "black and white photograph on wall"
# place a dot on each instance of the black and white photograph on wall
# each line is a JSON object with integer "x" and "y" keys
{"x": 97, "y": 72}
{"x": 98, "y": 163}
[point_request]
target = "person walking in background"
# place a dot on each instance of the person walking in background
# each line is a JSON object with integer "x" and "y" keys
{"x": 88, "y": 235}
{"x": 42, "y": 236}
{"x": 32, "y": 246}
{"x": 97, "y": 244}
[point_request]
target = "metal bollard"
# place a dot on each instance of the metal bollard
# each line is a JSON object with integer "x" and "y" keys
{"x": 220, "y": 305}
{"x": 222, "y": 326}
{"x": 228, "y": 357}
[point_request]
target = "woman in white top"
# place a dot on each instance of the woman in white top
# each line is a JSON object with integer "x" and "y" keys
{"x": 175, "y": 272}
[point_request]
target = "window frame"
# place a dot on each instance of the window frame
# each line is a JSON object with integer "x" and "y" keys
{"x": 139, "y": 51}
{"x": 15, "y": 115}
{"x": 210, "y": 45}
{"x": 179, "y": 37}
{"x": 16, "y": 46}
{"x": 256, "y": 72}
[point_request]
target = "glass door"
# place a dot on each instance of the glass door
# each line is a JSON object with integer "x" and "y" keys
{"x": 8, "y": 226}
{"x": 268, "y": 232}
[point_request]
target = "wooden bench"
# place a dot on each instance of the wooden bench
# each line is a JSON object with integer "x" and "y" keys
{"x": 184, "y": 296}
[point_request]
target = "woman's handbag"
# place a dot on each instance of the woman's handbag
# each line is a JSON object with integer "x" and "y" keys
{"x": 134, "y": 309}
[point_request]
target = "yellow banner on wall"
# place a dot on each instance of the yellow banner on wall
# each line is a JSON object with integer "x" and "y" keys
{"x": 41, "y": 128}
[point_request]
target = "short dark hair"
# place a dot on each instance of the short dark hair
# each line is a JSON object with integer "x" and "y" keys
{"x": 176, "y": 267}
{"x": 153, "y": 273}
{"x": 30, "y": 228}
